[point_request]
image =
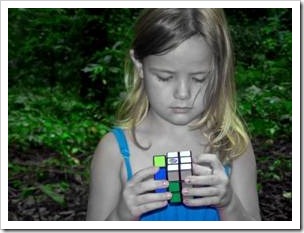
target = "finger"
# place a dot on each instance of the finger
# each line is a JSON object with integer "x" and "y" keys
{"x": 204, "y": 201}
{"x": 203, "y": 180}
{"x": 153, "y": 197}
{"x": 212, "y": 160}
{"x": 201, "y": 170}
{"x": 143, "y": 174}
{"x": 149, "y": 185}
{"x": 201, "y": 191}
{"x": 150, "y": 206}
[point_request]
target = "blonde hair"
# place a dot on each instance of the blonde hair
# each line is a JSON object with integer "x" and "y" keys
{"x": 160, "y": 30}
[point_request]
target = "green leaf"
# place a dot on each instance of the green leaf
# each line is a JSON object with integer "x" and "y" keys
{"x": 28, "y": 191}
{"x": 276, "y": 177}
{"x": 287, "y": 195}
{"x": 48, "y": 190}
{"x": 74, "y": 150}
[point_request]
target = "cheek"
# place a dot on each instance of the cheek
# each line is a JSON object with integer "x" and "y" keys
{"x": 154, "y": 91}
{"x": 200, "y": 98}
{"x": 158, "y": 96}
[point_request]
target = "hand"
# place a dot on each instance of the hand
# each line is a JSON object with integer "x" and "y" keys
{"x": 210, "y": 183}
{"x": 138, "y": 197}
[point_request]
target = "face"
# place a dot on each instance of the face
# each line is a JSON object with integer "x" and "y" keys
{"x": 175, "y": 82}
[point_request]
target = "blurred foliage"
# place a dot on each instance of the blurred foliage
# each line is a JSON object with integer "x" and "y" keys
{"x": 54, "y": 118}
{"x": 263, "y": 41}
{"x": 263, "y": 44}
{"x": 66, "y": 79}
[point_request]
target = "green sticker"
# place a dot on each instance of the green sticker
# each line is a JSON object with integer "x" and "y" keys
{"x": 159, "y": 161}
{"x": 176, "y": 198}
{"x": 174, "y": 186}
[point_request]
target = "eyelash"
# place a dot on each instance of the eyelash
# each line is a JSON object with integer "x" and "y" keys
{"x": 164, "y": 79}
{"x": 199, "y": 80}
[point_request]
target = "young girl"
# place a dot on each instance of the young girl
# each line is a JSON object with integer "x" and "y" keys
{"x": 181, "y": 97}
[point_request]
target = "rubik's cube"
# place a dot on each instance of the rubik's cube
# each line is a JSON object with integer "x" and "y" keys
{"x": 174, "y": 167}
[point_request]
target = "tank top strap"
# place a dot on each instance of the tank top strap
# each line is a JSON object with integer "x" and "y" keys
{"x": 228, "y": 169}
{"x": 124, "y": 149}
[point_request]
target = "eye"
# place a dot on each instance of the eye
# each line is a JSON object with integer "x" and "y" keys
{"x": 199, "y": 79}
{"x": 163, "y": 78}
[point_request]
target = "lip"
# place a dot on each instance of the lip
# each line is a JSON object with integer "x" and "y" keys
{"x": 180, "y": 109}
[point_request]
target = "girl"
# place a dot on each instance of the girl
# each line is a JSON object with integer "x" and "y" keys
{"x": 181, "y": 97}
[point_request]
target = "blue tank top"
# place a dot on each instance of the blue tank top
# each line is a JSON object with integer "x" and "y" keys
{"x": 172, "y": 212}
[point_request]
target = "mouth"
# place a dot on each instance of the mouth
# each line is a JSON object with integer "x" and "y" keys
{"x": 180, "y": 109}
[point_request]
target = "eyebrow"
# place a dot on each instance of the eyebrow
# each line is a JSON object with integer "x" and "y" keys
{"x": 162, "y": 70}
{"x": 172, "y": 72}
{"x": 200, "y": 72}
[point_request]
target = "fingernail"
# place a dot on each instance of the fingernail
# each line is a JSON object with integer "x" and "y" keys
{"x": 169, "y": 195}
{"x": 187, "y": 181}
{"x": 185, "y": 191}
{"x": 165, "y": 203}
{"x": 165, "y": 183}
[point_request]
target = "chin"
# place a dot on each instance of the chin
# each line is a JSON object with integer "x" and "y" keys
{"x": 180, "y": 122}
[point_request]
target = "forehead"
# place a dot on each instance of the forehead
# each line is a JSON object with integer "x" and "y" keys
{"x": 193, "y": 53}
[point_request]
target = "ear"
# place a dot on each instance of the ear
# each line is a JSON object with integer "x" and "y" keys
{"x": 138, "y": 65}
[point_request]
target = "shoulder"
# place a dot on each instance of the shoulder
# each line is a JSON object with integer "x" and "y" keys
{"x": 107, "y": 150}
{"x": 245, "y": 164}
{"x": 107, "y": 143}
{"x": 248, "y": 156}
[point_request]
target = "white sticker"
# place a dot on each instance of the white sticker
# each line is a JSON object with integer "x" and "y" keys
{"x": 185, "y": 166}
{"x": 185, "y": 153}
{"x": 185, "y": 159}
{"x": 172, "y": 167}
{"x": 172, "y": 154}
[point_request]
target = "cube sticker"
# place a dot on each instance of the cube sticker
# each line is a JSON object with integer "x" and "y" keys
{"x": 159, "y": 161}
{"x": 174, "y": 186}
{"x": 174, "y": 167}
{"x": 176, "y": 198}
{"x": 172, "y": 160}
{"x": 173, "y": 175}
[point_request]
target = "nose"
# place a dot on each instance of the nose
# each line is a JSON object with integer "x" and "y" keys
{"x": 182, "y": 90}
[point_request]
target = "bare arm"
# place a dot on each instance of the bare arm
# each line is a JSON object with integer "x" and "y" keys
{"x": 244, "y": 204}
{"x": 105, "y": 182}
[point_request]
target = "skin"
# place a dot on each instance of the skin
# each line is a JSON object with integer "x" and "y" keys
{"x": 175, "y": 85}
